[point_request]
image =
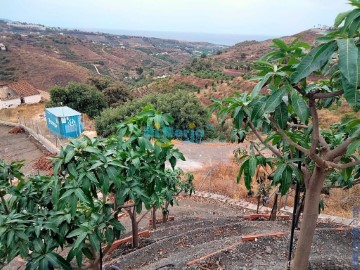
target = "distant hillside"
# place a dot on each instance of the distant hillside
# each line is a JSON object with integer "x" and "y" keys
{"x": 249, "y": 51}
{"x": 221, "y": 74}
{"x": 48, "y": 56}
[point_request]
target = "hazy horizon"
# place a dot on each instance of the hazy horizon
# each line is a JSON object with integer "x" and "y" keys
{"x": 215, "y": 38}
{"x": 227, "y": 17}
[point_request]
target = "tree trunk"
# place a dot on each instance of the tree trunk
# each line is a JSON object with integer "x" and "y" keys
{"x": 274, "y": 209}
{"x": 153, "y": 218}
{"x": 299, "y": 209}
{"x": 310, "y": 216}
{"x": 135, "y": 229}
{"x": 258, "y": 204}
{"x": 165, "y": 212}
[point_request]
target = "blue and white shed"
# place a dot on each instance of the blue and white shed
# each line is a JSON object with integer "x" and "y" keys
{"x": 64, "y": 122}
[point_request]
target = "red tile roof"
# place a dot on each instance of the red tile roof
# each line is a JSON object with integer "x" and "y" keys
{"x": 24, "y": 89}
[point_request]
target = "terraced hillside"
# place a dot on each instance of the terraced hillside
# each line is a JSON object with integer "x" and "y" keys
{"x": 57, "y": 56}
{"x": 204, "y": 227}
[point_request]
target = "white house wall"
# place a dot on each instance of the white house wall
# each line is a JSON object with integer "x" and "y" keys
{"x": 12, "y": 103}
{"x": 32, "y": 99}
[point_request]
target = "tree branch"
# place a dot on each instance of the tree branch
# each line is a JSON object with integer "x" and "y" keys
{"x": 328, "y": 95}
{"x": 324, "y": 143}
{"x": 270, "y": 147}
{"x": 297, "y": 125}
{"x": 318, "y": 160}
{"x": 301, "y": 91}
{"x": 316, "y": 131}
{"x": 342, "y": 166}
{"x": 340, "y": 150}
{"x": 287, "y": 139}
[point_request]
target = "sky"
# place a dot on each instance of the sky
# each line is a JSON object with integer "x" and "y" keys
{"x": 249, "y": 17}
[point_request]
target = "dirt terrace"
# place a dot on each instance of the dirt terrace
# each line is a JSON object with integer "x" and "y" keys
{"x": 19, "y": 147}
{"x": 204, "y": 226}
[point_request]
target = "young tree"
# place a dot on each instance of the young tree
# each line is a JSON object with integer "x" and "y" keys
{"x": 78, "y": 206}
{"x": 288, "y": 116}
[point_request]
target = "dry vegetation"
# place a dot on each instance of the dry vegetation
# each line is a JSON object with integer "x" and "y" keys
{"x": 221, "y": 179}
{"x": 335, "y": 114}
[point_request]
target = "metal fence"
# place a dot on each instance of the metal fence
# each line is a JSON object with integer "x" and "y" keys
{"x": 40, "y": 128}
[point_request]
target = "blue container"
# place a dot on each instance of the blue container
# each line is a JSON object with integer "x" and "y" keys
{"x": 64, "y": 122}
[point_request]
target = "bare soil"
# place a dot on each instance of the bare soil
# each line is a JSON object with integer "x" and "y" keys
{"x": 204, "y": 226}
{"x": 16, "y": 147}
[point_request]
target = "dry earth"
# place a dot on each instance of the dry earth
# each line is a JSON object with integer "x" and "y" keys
{"x": 204, "y": 226}
{"x": 15, "y": 147}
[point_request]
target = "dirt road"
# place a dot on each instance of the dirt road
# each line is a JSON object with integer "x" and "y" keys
{"x": 204, "y": 154}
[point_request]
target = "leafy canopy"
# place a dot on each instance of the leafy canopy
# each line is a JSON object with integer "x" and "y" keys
{"x": 78, "y": 206}
{"x": 287, "y": 115}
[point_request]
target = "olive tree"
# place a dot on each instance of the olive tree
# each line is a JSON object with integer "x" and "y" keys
{"x": 288, "y": 117}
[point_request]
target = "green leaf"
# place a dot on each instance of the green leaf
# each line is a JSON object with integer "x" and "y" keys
{"x": 69, "y": 156}
{"x": 58, "y": 261}
{"x": 252, "y": 166}
{"x": 278, "y": 173}
{"x": 260, "y": 85}
{"x": 22, "y": 235}
{"x": 348, "y": 60}
{"x": 67, "y": 194}
{"x": 258, "y": 108}
{"x": 281, "y": 44}
{"x": 90, "y": 149}
{"x": 274, "y": 100}
{"x": 172, "y": 161}
{"x": 72, "y": 169}
{"x": 10, "y": 238}
{"x": 314, "y": 60}
{"x": 88, "y": 254}
{"x": 340, "y": 18}
{"x": 281, "y": 115}
{"x": 286, "y": 180}
{"x": 351, "y": 93}
{"x": 241, "y": 170}
{"x": 79, "y": 240}
{"x": 300, "y": 107}
{"x": 76, "y": 232}
{"x": 109, "y": 235}
{"x": 353, "y": 147}
{"x": 112, "y": 172}
{"x": 350, "y": 18}
{"x": 92, "y": 177}
{"x": 81, "y": 195}
{"x": 94, "y": 240}
{"x": 96, "y": 165}
{"x": 238, "y": 119}
{"x": 43, "y": 264}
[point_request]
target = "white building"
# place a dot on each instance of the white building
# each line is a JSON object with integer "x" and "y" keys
{"x": 16, "y": 93}
{"x": 2, "y": 47}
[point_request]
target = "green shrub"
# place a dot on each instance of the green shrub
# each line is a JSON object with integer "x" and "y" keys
{"x": 81, "y": 97}
{"x": 184, "y": 107}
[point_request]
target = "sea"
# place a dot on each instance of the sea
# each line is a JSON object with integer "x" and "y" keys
{"x": 218, "y": 38}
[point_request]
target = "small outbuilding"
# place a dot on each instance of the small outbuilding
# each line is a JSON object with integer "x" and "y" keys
{"x": 2, "y": 47}
{"x": 16, "y": 93}
{"x": 64, "y": 122}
